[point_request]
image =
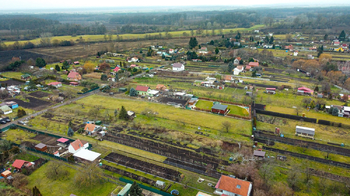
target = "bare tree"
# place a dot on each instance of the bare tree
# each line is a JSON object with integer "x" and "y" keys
{"x": 226, "y": 126}
{"x": 90, "y": 175}
{"x": 56, "y": 170}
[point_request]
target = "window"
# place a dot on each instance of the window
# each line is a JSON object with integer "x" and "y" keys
{"x": 238, "y": 186}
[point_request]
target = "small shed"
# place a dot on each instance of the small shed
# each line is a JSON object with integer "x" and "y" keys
{"x": 125, "y": 190}
{"x": 73, "y": 83}
{"x": 6, "y": 173}
{"x": 5, "y": 109}
{"x": 192, "y": 101}
{"x": 41, "y": 147}
{"x": 305, "y": 132}
{"x": 12, "y": 104}
{"x": 18, "y": 163}
{"x": 219, "y": 109}
{"x": 64, "y": 141}
{"x": 259, "y": 154}
{"x": 160, "y": 184}
{"x": 123, "y": 89}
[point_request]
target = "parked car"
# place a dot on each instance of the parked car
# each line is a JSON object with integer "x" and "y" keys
{"x": 7, "y": 119}
{"x": 21, "y": 123}
{"x": 3, "y": 121}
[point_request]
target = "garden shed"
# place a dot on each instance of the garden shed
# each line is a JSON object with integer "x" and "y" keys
{"x": 305, "y": 131}
{"x": 6, "y": 173}
{"x": 219, "y": 109}
{"x": 41, "y": 147}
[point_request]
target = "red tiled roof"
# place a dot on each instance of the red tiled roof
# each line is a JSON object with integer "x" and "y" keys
{"x": 254, "y": 64}
{"x": 18, "y": 163}
{"x": 142, "y": 88}
{"x": 116, "y": 69}
{"x": 77, "y": 144}
{"x": 73, "y": 74}
{"x": 233, "y": 185}
{"x": 239, "y": 58}
{"x": 55, "y": 83}
{"x": 63, "y": 140}
{"x": 247, "y": 67}
{"x": 133, "y": 65}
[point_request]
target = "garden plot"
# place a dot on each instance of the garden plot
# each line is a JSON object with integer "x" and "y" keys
{"x": 144, "y": 166}
{"x": 39, "y": 94}
{"x": 172, "y": 101}
{"x": 34, "y": 103}
{"x": 11, "y": 82}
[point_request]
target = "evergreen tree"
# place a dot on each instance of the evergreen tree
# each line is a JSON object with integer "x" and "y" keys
{"x": 325, "y": 37}
{"x": 342, "y": 36}
{"x": 65, "y": 65}
{"x": 104, "y": 77}
{"x": 123, "y": 114}
{"x": 115, "y": 113}
{"x": 254, "y": 73}
{"x": 335, "y": 111}
{"x": 193, "y": 42}
{"x": 39, "y": 62}
{"x": 133, "y": 92}
{"x": 70, "y": 124}
{"x": 319, "y": 50}
{"x": 266, "y": 40}
{"x": 238, "y": 36}
{"x": 57, "y": 68}
{"x": 271, "y": 40}
{"x": 230, "y": 67}
{"x": 116, "y": 77}
{"x": 135, "y": 190}
{"x": 36, "y": 192}
{"x": 70, "y": 132}
{"x": 216, "y": 50}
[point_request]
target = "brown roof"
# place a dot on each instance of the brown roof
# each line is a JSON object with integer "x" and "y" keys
{"x": 228, "y": 77}
{"x": 89, "y": 127}
{"x": 178, "y": 65}
{"x": 160, "y": 86}
{"x": 77, "y": 144}
{"x": 254, "y": 64}
{"x": 233, "y": 185}
{"x": 73, "y": 75}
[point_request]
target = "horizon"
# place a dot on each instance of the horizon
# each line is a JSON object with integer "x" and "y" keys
{"x": 7, "y": 8}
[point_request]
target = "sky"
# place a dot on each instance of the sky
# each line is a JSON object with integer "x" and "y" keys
{"x": 58, "y": 4}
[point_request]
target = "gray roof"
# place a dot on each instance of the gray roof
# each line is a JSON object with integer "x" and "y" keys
{"x": 219, "y": 107}
{"x": 41, "y": 145}
{"x": 259, "y": 153}
{"x": 310, "y": 131}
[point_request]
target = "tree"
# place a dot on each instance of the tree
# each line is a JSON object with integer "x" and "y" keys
{"x": 65, "y": 65}
{"x": 271, "y": 40}
{"x": 104, "y": 67}
{"x": 230, "y": 67}
{"x": 342, "y": 36}
{"x": 319, "y": 50}
{"x": 133, "y": 92}
{"x": 56, "y": 170}
{"x": 115, "y": 113}
{"x": 89, "y": 175}
{"x": 89, "y": 67}
{"x": 294, "y": 178}
{"x": 193, "y": 42}
{"x": 70, "y": 132}
{"x": 238, "y": 36}
{"x": 325, "y": 37}
{"x": 57, "y": 68}
{"x": 266, "y": 40}
{"x": 116, "y": 77}
{"x": 104, "y": 77}
{"x": 39, "y": 62}
{"x": 84, "y": 90}
{"x": 21, "y": 113}
{"x": 217, "y": 50}
{"x": 335, "y": 111}
{"x": 135, "y": 190}
{"x": 123, "y": 114}
{"x": 226, "y": 126}
{"x": 254, "y": 73}
{"x": 36, "y": 192}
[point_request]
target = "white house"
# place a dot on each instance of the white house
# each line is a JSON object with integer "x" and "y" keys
{"x": 237, "y": 70}
{"x": 295, "y": 53}
{"x": 77, "y": 145}
{"x": 236, "y": 62}
{"x": 256, "y": 31}
{"x": 232, "y": 186}
{"x": 56, "y": 84}
{"x": 178, "y": 67}
{"x": 134, "y": 60}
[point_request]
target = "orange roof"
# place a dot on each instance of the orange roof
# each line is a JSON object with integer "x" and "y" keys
{"x": 239, "y": 58}
{"x": 89, "y": 127}
{"x": 254, "y": 64}
{"x": 228, "y": 77}
{"x": 160, "y": 86}
{"x": 77, "y": 144}
{"x": 233, "y": 185}
{"x": 18, "y": 163}
{"x": 247, "y": 67}
{"x": 240, "y": 67}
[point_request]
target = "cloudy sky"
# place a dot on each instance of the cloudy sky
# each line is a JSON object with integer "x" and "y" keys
{"x": 57, "y": 4}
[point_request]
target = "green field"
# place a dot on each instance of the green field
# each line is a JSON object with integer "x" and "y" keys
{"x": 66, "y": 186}
{"x": 94, "y": 38}
{"x": 203, "y": 104}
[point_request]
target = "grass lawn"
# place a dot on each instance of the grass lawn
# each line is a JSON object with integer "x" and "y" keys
{"x": 203, "y": 104}
{"x": 26, "y": 157}
{"x": 12, "y": 74}
{"x": 16, "y": 135}
{"x": 66, "y": 186}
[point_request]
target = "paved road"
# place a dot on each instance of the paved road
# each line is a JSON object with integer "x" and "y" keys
{"x": 53, "y": 107}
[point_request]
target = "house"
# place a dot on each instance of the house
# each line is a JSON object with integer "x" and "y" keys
{"x": 203, "y": 51}
{"x": 133, "y": 66}
{"x": 41, "y": 147}
{"x": 237, "y": 70}
{"x": 116, "y": 69}
{"x": 236, "y": 61}
{"x": 290, "y": 47}
{"x": 57, "y": 154}
{"x": 248, "y": 68}
{"x": 133, "y": 59}
{"x": 295, "y": 53}
{"x": 18, "y": 164}
{"x": 336, "y": 42}
{"x": 63, "y": 141}
{"x": 12, "y": 104}
{"x": 231, "y": 186}
{"x": 160, "y": 87}
{"x": 271, "y": 90}
{"x": 92, "y": 129}
{"x": 56, "y": 84}
{"x": 253, "y": 64}
{"x": 152, "y": 93}
{"x": 6, "y": 173}
{"x": 171, "y": 51}
{"x": 219, "y": 109}
{"x": 73, "y": 83}
{"x": 192, "y": 101}
{"x": 178, "y": 67}
{"x": 228, "y": 78}
{"x": 75, "y": 76}
{"x": 309, "y": 56}
{"x": 5, "y": 109}
{"x": 25, "y": 77}
{"x": 259, "y": 154}
{"x": 86, "y": 155}
{"x": 142, "y": 90}
{"x": 305, "y": 132}
{"x": 76, "y": 62}
{"x": 268, "y": 46}
{"x": 77, "y": 145}
{"x": 344, "y": 46}
{"x": 304, "y": 90}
